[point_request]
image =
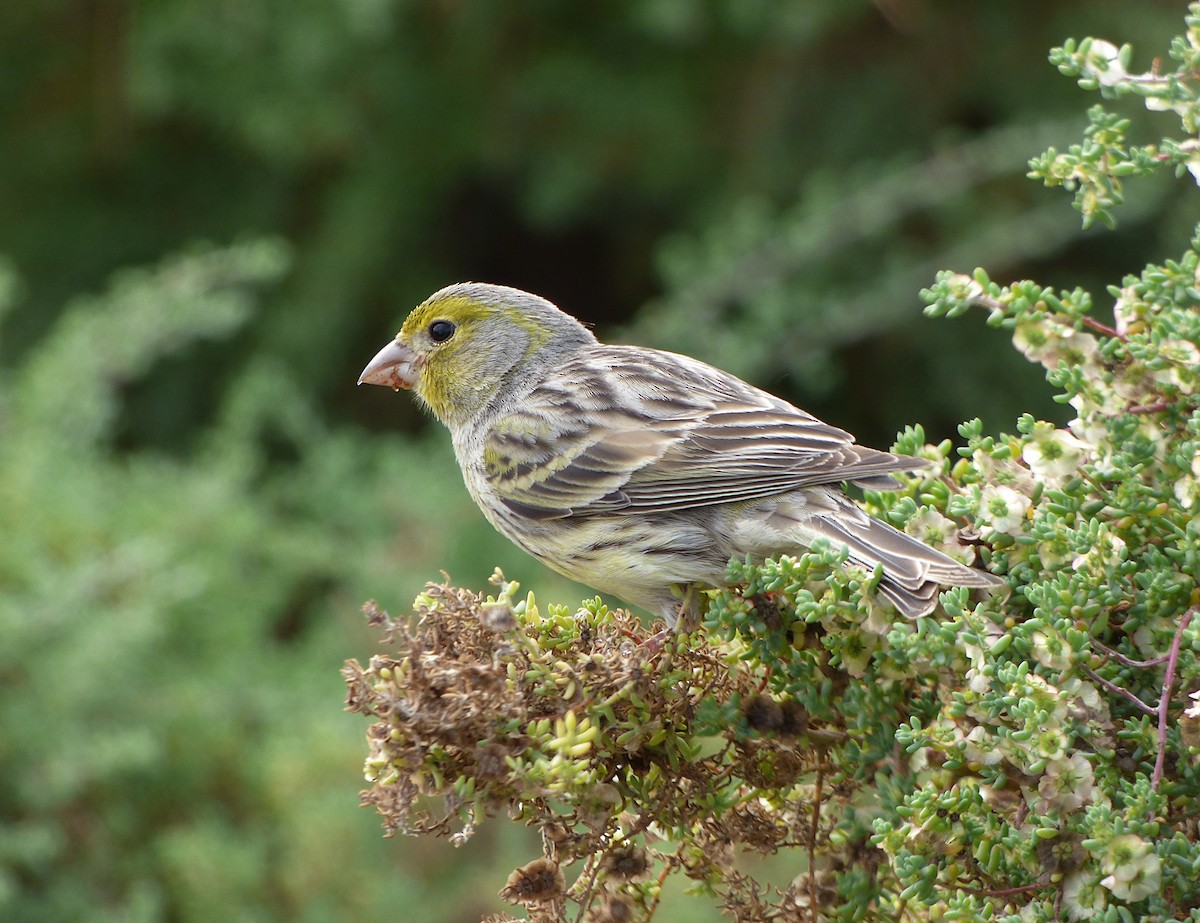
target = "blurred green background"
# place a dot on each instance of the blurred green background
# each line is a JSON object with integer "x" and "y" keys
{"x": 213, "y": 213}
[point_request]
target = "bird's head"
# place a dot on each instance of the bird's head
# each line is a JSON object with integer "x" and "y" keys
{"x": 470, "y": 342}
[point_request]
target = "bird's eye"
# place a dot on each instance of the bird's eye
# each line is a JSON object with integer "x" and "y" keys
{"x": 440, "y": 331}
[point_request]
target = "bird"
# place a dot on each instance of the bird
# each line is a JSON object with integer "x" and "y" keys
{"x": 638, "y": 472}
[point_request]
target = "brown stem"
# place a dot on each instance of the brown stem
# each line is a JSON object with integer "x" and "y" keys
{"x": 653, "y": 908}
{"x": 592, "y": 870}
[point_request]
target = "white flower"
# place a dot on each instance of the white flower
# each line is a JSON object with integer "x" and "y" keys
{"x": 1166, "y": 104}
{"x": 979, "y": 674}
{"x": 965, "y": 287}
{"x": 932, "y": 528}
{"x": 1133, "y": 382}
{"x": 1128, "y": 310}
{"x": 1193, "y": 167}
{"x": 1002, "y": 509}
{"x": 879, "y": 622}
{"x": 1193, "y": 710}
{"x": 856, "y": 651}
{"x": 1103, "y": 61}
{"x": 1051, "y": 344}
{"x": 1069, "y": 783}
{"x": 1091, "y": 426}
{"x": 1051, "y": 744}
{"x": 1184, "y": 357}
{"x": 1094, "y": 409}
{"x": 1054, "y": 454}
{"x": 1083, "y": 897}
{"x": 1085, "y": 702}
{"x": 1050, "y": 650}
{"x": 1035, "y": 339}
{"x": 945, "y": 733}
{"x": 1134, "y": 872}
{"x": 1007, "y": 472}
{"x": 979, "y": 679}
{"x": 1189, "y": 726}
{"x": 975, "y": 751}
{"x": 1191, "y": 145}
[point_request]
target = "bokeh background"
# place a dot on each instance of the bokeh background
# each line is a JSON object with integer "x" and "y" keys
{"x": 212, "y": 213}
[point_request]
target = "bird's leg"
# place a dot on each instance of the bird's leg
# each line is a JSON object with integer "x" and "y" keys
{"x": 683, "y": 620}
{"x": 689, "y": 610}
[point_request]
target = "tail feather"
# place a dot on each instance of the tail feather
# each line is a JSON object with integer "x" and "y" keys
{"x": 910, "y": 603}
{"x": 913, "y": 572}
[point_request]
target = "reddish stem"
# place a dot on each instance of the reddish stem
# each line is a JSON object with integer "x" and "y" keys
{"x": 1122, "y": 659}
{"x": 1005, "y": 892}
{"x": 1102, "y": 328}
{"x": 812, "y": 840}
{"x": 1164, "y": 704}
{"x": 1124, "y": 693}
{"x": 1156, "y": 407}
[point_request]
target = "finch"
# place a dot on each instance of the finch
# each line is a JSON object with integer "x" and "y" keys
{"x": 639, "y": 472}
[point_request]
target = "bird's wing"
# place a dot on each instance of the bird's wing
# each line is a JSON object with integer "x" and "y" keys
{"x": 621, "y": 428}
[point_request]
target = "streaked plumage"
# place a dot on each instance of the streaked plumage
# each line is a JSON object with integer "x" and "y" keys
{"x": 636, "y": 471}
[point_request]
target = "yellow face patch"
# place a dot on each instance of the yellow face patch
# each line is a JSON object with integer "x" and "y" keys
{"x": 463, "y": 360}
{"x": 459, "y": 310}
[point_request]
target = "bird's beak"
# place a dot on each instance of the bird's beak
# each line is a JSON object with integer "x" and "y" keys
{"x": 394, "y": 366}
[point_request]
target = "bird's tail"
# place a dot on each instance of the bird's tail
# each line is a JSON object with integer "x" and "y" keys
{"x": 913, "y": 572}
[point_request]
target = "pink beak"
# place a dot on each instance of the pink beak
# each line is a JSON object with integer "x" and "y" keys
{"x": 394, "y": 366}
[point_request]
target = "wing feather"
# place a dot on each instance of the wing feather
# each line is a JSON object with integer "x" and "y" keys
{"x": 621, "y": 428}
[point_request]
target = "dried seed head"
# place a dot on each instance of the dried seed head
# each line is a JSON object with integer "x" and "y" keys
{"x": 763, "y": 713}
{"x": 795, "y": 719}
{"x": 768, "y": 609}
{"x": 489, "y": 762}
{"x": 800, "y": 901}
{"x": 375, "y": 615}
{"x": 1061, "y": 854}
{"x": 497, "y": 617}
{"x": 537, "y": 882}
{"x": 627, "y": 862}
{"x": 617, "y": 909}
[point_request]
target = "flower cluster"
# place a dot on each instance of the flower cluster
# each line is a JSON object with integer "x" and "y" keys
{"x": 1096, "y": 169}
{"x": 1064, "y": 726}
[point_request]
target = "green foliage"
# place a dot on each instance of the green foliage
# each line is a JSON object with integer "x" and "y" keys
{"x": 1017, "y": 752}
{"x": 1096, "y": 169}
{"x": 167, "y": 696}
{"x": 188, "y": 509}
{"x": 1029, "y": 756}
{"x": 398, "y": 146}
{"x": 749, "y": 271}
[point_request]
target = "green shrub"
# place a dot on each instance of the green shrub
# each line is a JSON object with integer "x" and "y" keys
{"x": 1030, "y": 756}
{"x": 171, "y": 739}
